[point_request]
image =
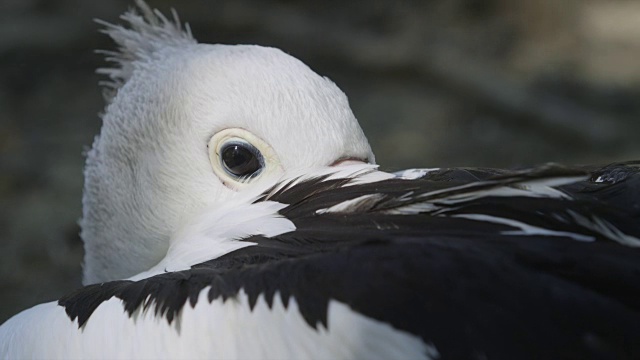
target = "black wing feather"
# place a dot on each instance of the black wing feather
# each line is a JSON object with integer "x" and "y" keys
{"x": 473, "y": 289}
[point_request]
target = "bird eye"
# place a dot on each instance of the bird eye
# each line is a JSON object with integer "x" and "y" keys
{"x": 241, "y": 159}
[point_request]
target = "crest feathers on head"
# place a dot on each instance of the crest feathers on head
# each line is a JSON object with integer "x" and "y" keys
{"x": 145, "y": 32}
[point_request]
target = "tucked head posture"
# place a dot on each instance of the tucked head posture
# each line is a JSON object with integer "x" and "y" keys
{"x": 189, "y": 126}
{"x": 216, "y": 227}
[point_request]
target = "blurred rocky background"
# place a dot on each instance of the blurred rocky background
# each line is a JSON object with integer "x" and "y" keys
{"x": 436, "y": 83}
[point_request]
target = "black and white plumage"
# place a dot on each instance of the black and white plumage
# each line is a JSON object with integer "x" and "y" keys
{"x": 342, "y": 261}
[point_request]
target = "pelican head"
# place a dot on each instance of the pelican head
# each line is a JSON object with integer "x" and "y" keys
{"x": 190, "y": 126}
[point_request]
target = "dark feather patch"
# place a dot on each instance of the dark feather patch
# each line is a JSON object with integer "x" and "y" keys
{"x": 473, "y": 289}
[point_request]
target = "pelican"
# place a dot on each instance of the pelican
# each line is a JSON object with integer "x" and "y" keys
{"x": 233, "y": 209}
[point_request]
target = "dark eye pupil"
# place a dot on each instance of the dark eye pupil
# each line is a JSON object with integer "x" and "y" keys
{"x": 240, "y": 161}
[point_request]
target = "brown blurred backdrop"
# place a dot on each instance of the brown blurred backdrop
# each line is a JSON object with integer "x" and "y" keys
{"x": 434, "y": 83}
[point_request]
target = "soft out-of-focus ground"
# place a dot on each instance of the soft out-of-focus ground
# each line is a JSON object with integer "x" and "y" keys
{"x": 434, "y": 83}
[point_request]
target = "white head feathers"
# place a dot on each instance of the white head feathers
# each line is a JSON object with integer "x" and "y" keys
{"x": 147, "y": 34}
{"x": 176, "y": 104}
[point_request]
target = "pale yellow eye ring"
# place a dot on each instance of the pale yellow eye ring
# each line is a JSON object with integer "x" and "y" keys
{"x": 242, "y": 138}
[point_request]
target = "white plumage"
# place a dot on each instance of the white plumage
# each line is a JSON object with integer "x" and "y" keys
{"x": 148, "y": 172}
{"x": 216, "y": 330}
